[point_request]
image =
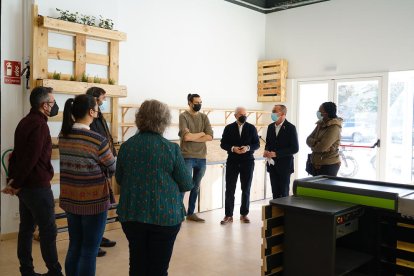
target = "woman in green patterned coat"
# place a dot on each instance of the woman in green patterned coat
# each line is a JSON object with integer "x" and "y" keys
{"x": 152, "y": 175}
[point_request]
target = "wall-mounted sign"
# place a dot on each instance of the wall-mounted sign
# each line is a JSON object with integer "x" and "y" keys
{"x": 12, "y": 72}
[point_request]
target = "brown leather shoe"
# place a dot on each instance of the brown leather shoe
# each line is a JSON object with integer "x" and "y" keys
{"x": 244, "y": 219}
{"x": 226, "y": 220}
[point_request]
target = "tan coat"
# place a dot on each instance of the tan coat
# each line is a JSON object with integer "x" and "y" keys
{"x": 324, "y": 142}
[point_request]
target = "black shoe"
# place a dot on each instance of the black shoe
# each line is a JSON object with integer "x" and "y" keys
{"x": 101, "y": 252}
{"x": 107, "y": 243}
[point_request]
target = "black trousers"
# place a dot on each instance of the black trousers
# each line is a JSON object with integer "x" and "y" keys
{"x": 280, "y": 183}
{"x": 233, "y": 169}
{"x": 37, "y": 207}
{"x": 150, "y": 247}
{"x": 331, "y": 170}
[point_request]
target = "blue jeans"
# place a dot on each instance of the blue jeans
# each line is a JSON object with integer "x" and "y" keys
{"x": 85, "y": 235}
{"x": 196, "y": 167}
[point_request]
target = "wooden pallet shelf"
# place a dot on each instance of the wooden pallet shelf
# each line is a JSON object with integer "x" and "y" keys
{"x": 65, "y": 26}
{"x": 271, "y": 80}
{"x": 76, "y": 88}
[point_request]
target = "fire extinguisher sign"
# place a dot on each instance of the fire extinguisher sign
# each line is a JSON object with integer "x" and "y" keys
{"x": 12, "y": 72}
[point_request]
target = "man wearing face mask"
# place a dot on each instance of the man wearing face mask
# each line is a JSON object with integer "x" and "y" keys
{"x": 194, "y": 130}
{"x": 240, "y": 140}
{"x": 30, "y": 172}
{"x": 281, "y": 144}
{"x": 100, "y": 126}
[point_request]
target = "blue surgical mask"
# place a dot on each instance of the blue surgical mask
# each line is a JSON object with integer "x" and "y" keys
{"x": 275, "y": 117}
{"x": 319, "y": 115}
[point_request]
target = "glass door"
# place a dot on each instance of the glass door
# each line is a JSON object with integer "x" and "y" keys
{"x": 358, "y": 102}
{"x": 311, "y": 94}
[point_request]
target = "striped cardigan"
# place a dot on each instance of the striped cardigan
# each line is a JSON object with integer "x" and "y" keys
{"x": 84, "y": 154}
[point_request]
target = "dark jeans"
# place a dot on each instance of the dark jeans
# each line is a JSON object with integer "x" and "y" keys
{"x": 197, "y": 168}
{"x": 150, "y": 247}
{"x": 331, "y": 170}
{"x": 37, "y": 207}
{"x": 85, "y": 235}
{"x": 233, "y": 169}
{"x": 280, "y": 183}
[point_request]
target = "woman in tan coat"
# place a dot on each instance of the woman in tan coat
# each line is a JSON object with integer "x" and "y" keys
{"x": 324, "y": 141}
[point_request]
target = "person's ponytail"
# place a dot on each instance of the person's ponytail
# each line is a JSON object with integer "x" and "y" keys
{"x": 68, "y": 121}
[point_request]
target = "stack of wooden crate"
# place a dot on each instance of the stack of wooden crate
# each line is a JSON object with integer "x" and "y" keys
{"x": 273, "y": 237}
{"x": 271, "y": 80}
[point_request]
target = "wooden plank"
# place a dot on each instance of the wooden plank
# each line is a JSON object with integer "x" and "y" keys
{"x": 80, "y": 55}
{"x": 406, "y": 246}
{"x": 268, "y": 77}
{"x": 269, "y": 62}
{"x": 113, "y": 74}
{"x": 263, "y": 85}
{"x": 55, "y": 154}
{"x": 263, "y": 92}
{"x": 55, "y": 179}
{"x": 269, "y": 99}
{"x": 405, "y": 263}
{"x": 33, "y": 50}
{"x": 55, "y": 140}
{"x": 61, "y": 54}
{"x": 405, "y": 225}
{"x": 76, "y": 88}
{"x": 59, "y": 117}
{"x": 60, "y": 25}
{"x": 268, "y": 70}
{"x": 97, "y": 59}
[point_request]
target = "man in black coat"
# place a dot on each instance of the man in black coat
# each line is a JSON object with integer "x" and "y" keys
{"x": 240, "y": 140}
{"x": 281, "y": 145}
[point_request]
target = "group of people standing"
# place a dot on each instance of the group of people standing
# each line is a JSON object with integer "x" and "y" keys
{"x": 153, "y": 174}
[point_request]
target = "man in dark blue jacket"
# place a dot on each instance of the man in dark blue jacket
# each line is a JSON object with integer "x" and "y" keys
{"x": 240, "y": 140}
{"x": 281, "y": 145}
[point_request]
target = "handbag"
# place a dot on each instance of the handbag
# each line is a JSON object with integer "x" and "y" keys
{"x": 310, "y": 169}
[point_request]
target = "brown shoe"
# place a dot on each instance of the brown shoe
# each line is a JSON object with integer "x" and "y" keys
{"x": 195, "y": 218}
{"x": 244, "y": 219}
{"x": 226, "y": 220}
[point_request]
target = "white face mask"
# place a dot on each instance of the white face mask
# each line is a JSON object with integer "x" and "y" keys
{"x": 319, "y": 115}
{"x": 103, "y": 106}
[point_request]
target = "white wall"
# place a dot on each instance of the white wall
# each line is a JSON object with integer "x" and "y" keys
{"x": 173, "y": 48}
{"x": 343, "y": 37}
{"x": 191, "y": 46}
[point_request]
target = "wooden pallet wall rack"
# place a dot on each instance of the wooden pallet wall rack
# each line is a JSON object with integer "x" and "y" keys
{"x": 125, "y": 125}
{"x": 42, "y": 53}
{"x": 271, "y": 80}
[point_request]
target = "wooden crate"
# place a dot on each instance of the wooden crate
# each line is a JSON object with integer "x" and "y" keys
{"x": 271, "y": 80}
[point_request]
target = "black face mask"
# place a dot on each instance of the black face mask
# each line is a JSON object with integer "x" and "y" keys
{"x": 54, "y": 110}
{"x": 196, "y": 107}
{"x": 242, "y": 119}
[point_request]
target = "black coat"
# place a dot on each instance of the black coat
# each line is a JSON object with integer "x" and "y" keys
{"x": 100, "y": 126}
{"x": 231, "y": 137}
{"x": 285, "y": 145}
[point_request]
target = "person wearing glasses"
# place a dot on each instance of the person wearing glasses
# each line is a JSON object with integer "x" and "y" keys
{"x": 85, "y": 156}
{"x": 30, "y": 172}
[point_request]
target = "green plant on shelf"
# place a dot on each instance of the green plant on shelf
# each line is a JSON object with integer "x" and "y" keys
{"x": 105, "y": 23}
{"x": 56, "y": 76}
{"x": 68, "y": 16}
{"x": 72, "y": 78}
{"x": 111, "y": 81}
{"x": 96, "y": 79}
{"x": 87, "y": 20}
{"x": 84, "y": 77}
